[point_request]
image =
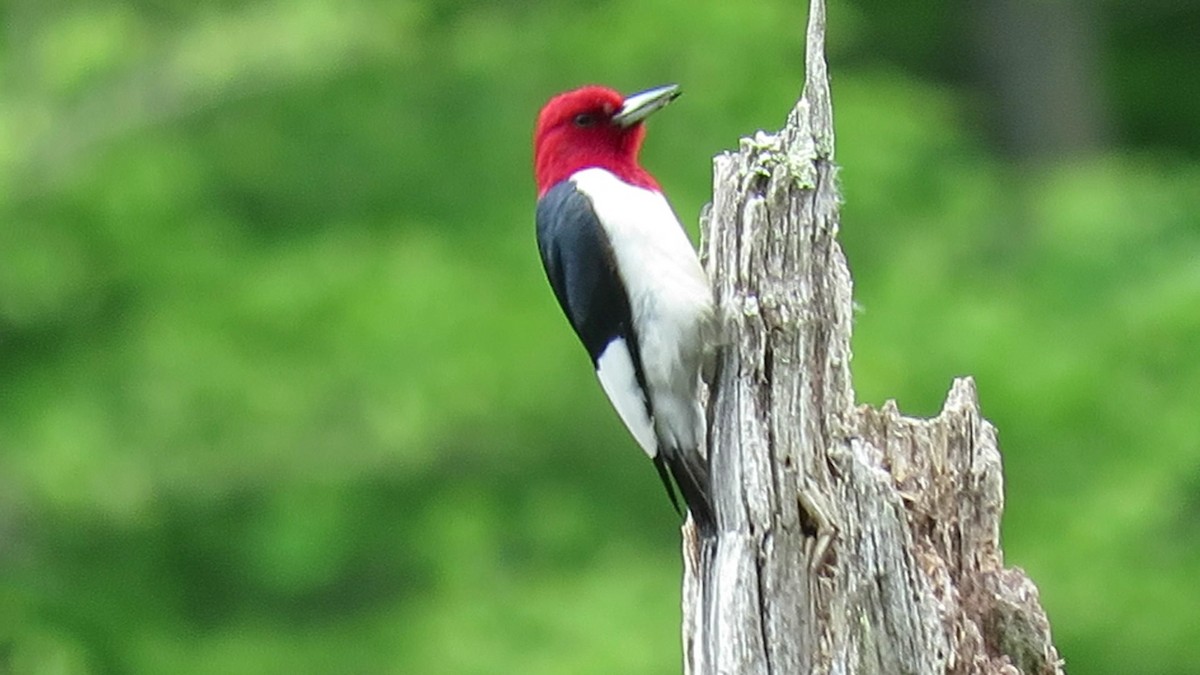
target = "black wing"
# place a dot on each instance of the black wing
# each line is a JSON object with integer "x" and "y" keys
{"x": 582, "y": 270}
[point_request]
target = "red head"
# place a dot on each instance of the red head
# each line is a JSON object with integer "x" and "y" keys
{"x": 595, "y": 127}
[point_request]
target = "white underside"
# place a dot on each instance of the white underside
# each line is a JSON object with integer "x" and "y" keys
{"x": 672, "y": 307}
{"x": 619, "y": 381}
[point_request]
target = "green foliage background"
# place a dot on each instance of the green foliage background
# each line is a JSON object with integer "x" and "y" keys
{"x": 282, "y": 389}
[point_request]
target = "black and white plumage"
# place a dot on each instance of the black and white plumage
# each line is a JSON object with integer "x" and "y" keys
{"x": 630, "y": 283}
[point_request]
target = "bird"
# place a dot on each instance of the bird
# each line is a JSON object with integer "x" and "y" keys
{"x": 627, "y": 278}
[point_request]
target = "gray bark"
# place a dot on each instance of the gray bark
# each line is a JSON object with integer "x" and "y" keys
{"x": 851, "y": 540}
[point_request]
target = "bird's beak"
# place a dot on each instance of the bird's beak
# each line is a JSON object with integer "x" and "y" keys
{"x": 638, "y": 106}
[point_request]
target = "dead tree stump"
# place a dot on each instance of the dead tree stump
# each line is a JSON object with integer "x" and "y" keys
{"x": 852, "y": 540}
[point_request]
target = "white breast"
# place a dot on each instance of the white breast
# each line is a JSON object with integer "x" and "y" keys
{"x": 669, "y": 296}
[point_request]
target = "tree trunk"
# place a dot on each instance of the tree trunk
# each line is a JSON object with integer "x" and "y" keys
{"x": 1041, "y": 65}
{"x": 851, "y": 540}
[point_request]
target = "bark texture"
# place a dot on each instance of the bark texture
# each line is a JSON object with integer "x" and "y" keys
{"x": 851, "y": 540}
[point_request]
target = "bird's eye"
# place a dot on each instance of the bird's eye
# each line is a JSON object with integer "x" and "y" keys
{"x": 585, "y": 120}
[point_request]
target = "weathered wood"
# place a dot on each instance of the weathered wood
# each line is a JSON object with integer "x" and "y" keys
{"x": 852, "y": 540}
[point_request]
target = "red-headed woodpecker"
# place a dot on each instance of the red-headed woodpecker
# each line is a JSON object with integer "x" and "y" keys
{"x": 626, "y": 276}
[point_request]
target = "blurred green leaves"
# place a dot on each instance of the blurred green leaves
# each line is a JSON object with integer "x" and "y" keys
{"x": 282, "y": 388}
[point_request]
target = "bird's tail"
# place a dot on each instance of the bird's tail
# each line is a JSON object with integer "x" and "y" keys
{"x": 690, "y": 474}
